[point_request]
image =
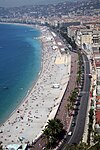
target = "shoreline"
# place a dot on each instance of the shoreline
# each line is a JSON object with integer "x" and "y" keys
{"x": 41, "y": 103}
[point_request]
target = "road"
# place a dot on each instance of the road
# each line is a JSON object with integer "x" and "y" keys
{"x": 61, "y": 113}
{"x": 78, "y": 129}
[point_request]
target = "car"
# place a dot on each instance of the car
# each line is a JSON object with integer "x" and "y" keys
{"x": 82, "y": 79}
{"x": 82, "y": 83}
{"x": 90, "y": 75}
{"x": 80, "y": 95}
{"x": 74, "y": 144}
{"x": 78, "y": 98}
{"x": 78, "y": 103}
{"x": 82, "y": 75}
{"x": 69, "y": 133}
{"x": 76, "y": 108}
{"x": 82, "y": 65}
{"x": 75, "y": 113}
{"x": 82, "y": 69}
{"x": 80, "y": 88}
{"x": 73, "y": 123}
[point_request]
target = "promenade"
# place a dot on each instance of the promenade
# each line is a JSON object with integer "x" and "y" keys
{"x": 62, "y": 111}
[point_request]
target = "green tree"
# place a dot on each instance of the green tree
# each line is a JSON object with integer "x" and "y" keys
{"x": 53, "y": 132}
{"x": 1, "y": 147}
{"x": 96, "y": 137}
{"x": 90, "y": 128}
{"x": 81, "y": 146}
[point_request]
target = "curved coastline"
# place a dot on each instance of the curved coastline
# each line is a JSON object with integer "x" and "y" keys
{"x": 42, "y": 101}
{"x": 34, "y": 82}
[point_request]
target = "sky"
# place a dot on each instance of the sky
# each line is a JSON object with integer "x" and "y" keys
{"x": 13, "y": 3}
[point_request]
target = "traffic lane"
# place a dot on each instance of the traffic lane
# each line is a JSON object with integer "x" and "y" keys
{"x": 87, "y": 64}
{"x": 80, "y": 121}
{"x": 68, "y": 138}
{"x": 88, "y": 79}
{"x": 87, "y": 72}
{"x": 80, "y": 118}
{"x": 77, "y": 130}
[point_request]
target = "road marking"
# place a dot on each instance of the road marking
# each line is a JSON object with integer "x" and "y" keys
{"x": 86, "y": 61}
{"x": 83, "y": 92}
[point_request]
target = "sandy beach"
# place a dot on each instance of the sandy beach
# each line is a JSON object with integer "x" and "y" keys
{"x": 42, "y": 102}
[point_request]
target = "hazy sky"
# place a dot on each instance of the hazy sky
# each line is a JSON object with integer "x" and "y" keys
{"x": 10, "y": 3}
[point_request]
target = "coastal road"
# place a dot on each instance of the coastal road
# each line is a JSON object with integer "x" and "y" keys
{"x": 77, "y": 131}
{"x": 80, "y": 122}
{"x": 61, "y": 113}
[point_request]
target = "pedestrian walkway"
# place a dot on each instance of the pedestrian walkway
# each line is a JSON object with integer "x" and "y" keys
{"x": 61, "y": 113}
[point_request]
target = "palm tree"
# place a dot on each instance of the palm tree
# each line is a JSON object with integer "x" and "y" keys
{"x": 53, "y": 132}
{"x": 1, "y": 147}
{"x": 68, "y": 107}
{"x": 96, "y": 137}
{"x": 90, "y": 125}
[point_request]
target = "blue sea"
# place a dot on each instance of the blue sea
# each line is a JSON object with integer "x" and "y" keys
{"x": 20, "y": 63}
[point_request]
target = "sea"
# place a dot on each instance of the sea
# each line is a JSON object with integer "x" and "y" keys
{"x": 20, "y": 64}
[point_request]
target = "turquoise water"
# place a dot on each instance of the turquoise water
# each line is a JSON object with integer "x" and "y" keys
{"x": 20, "y": 63}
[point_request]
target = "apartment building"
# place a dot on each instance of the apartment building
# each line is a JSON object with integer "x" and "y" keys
{"x": 86, "y": 37}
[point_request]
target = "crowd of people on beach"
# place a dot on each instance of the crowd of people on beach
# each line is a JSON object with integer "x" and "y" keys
{"x": 28, "y": 121}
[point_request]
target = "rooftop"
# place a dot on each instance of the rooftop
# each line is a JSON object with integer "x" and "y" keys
{"x": 97, "y": 113}
{"x": 98, "y": 97}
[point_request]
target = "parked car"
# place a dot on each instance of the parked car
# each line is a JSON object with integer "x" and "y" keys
{"x": 75, "y": 113}
{"x": 73, "y": 123}
{"x": 90, "y": 75}
{"x": 70, "y": 133}
{"x": 78, "y": 103}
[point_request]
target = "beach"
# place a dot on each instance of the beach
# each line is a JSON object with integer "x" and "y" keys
{"x": 41, "y": 103}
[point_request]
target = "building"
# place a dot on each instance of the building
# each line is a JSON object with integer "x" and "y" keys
{"x": 87, "y": 38}
{"x": 96, "y": 41}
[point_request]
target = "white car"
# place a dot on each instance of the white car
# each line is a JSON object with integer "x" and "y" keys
{"x": 90, "y": 75}
{"x": 70, "y": 133}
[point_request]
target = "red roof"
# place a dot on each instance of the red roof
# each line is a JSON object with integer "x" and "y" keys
{"x": 97, "y": 113}
{"x": 97, "y": 62}
{"x": 98, "y": 97}
{"x": 97, "y": 103}
{"x": 90, "y": 94}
